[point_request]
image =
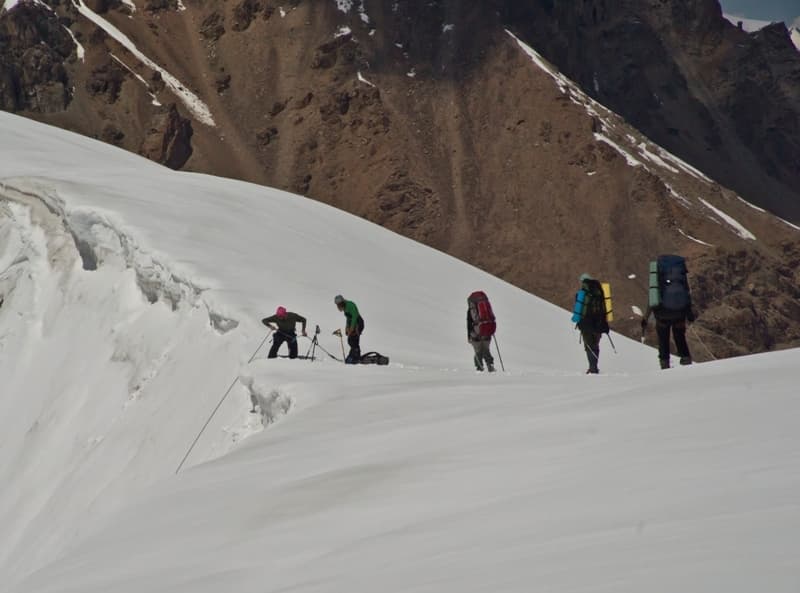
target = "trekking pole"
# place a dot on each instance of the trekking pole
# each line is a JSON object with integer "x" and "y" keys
{"x": 230, "y": 388}
{"x": 264, "y": 341}
{"x": 496, "y": 345}
{"x": 614, "y": 348}
{"x": 697, "y": 337}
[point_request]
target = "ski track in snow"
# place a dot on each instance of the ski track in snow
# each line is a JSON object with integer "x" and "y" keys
{"x": 732, "y": 222}
{"x": 191, "y": 101}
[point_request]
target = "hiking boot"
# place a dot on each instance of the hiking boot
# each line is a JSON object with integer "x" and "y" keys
{"x": 664, "y": 363}
{"x": 593, "y": 372}
{"x": 479, "y": 368}
{"x": 686, "y": 360}
{"x": 491, "y": 368}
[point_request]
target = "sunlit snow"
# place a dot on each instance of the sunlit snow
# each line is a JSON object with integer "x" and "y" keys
{"x": 732, "y": 222}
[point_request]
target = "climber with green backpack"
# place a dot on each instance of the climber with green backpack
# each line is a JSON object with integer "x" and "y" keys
{"x": 670, "y": 302}
{"x": 591, "y": 315}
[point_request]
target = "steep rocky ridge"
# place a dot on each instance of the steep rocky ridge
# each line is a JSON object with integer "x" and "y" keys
{"x": 430, "y": 119}
{"x": 723, "y": 99}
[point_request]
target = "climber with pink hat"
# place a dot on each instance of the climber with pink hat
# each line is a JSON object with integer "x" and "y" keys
{"x": 284, "y": 324}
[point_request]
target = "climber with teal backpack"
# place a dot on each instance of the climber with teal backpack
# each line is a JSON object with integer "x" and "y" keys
{"x": 591, "y": 318}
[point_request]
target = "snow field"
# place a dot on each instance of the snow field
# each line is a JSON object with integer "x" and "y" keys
{"x": 133, "y": 299}
{"x": 403, "y": 481}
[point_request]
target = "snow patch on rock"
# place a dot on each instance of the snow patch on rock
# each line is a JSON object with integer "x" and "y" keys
{"x": 730, "y": 221}
{"x": 191, "y": 101}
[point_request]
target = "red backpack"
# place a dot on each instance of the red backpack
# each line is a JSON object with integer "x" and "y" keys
{"x": 480, "y": 310}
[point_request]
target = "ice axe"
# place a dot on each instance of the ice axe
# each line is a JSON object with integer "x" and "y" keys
{"x": 338, "y": 332}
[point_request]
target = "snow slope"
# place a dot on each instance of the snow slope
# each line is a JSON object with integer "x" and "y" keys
{"x": 132, "y": 296}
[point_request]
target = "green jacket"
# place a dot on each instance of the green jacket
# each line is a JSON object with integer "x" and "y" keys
{"x": 351, "y": 314}
{"x": 286, "y": 324}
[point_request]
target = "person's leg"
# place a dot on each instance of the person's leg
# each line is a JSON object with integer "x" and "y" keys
{"x": 591, "y": 345}
{"x": 477, "y": 358}
{"x": 292, "y": 346}
{"x": 354, "y": 356}
{"x": 662, "y": 329}
{"x": 486, "y": 354}
{"x": 679, "y": 335}
{"x": 277, "y": 340}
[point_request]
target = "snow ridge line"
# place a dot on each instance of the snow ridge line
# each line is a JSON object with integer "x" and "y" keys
{"x": 192, "y": 102}
{"x": 98, "y": 240}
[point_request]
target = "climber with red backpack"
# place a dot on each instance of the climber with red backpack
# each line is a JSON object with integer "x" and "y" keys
{"x": 481, "y": 326}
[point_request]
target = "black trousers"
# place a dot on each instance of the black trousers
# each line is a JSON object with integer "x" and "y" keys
{"x": 354, "y": 341}
{"x": 591, "y": 344}
{"x": 278, "y": 338}
{"x": 678, "y": 329}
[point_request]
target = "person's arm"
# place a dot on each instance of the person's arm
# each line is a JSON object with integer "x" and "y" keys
{"x": 301, "y": 319}
{"x": 470, "y": 325}
{"x": 268, "y": 321}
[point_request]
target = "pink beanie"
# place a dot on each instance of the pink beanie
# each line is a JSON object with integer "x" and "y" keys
{"x": 281, "y": 312}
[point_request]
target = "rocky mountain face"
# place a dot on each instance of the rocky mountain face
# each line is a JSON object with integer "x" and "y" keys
{"x": 437, "y": 120}
{"x": 722, "y": 99}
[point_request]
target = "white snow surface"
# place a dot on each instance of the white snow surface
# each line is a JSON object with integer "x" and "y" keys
{"x": 795, "y": 33}
{"x": 191, "y": 101}
{"x": 695, "y": 239}
{"x": 79, "y": 49}
{"x": 421, "y": 476}
{"x": 732, "y": 222}
{"x": 138, "y": 77}
{"x": 364, "y": 80}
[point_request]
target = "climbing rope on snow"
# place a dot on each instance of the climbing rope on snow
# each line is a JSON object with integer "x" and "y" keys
{"x": 199, "y": 434}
